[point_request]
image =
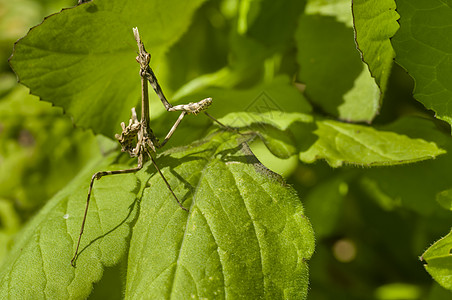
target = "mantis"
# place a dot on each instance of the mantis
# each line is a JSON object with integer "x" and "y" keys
{"x": 137, "y": 138}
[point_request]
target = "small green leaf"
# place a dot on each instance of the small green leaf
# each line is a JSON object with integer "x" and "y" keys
{"x": 341, "y": 143}
{"x": 82, "y": 58}
{"x": 375, "y": 22}
{"x": 245, "y": 234}
{"x": 423, "y": 48}
{"x": 438, "y": 260}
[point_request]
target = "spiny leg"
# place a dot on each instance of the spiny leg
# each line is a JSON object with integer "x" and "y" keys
{"x": 166, "y": 181}
{"x": 98, "y": 176}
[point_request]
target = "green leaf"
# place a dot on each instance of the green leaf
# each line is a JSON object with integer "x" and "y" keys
{"x": 245, "y": 234}
{"x": 337, "y": 142}
{"x": 82, "y": 58}
{"x": 423, "y": 49}
{"x": 337, "y": 81}
{"x": 375, "y": 22}
{"x": 341, "y": 143}
{"x": 438, "y": 260}
{"x": 413, "y": 186}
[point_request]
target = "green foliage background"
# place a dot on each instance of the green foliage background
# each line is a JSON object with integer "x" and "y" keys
{"x": 369, "y": 163}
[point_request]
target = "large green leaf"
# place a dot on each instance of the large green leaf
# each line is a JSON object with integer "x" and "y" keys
{"x": 82, "y": 58}
{"x": 375, "y": 22}
{"x": 245, "y": 234}
{"x": 423, "y": 48}
{"x": 438, "y": 260}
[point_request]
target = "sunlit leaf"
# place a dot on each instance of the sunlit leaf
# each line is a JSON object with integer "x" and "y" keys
{"x": 341, "y": 143}
{"x": 82, "y": 58}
